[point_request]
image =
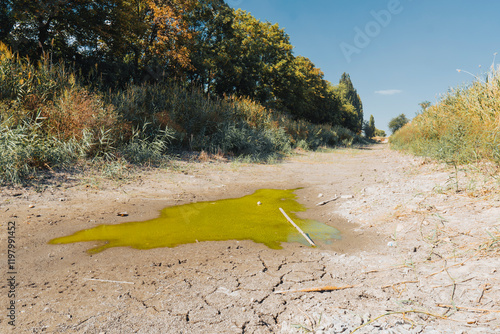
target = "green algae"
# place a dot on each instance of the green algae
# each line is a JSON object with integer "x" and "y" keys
{"x": 254, "y": 217}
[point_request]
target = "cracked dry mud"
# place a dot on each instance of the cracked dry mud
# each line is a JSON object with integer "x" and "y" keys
{"x": 229, "y": 287}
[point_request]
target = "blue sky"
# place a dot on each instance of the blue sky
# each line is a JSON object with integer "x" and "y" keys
{"x": 397, "y": 52}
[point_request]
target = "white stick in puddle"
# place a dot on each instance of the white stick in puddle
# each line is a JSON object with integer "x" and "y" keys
{"x": 298, "y": 228}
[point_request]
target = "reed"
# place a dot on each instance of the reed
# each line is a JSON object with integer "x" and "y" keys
{"x": 464, "y": 127}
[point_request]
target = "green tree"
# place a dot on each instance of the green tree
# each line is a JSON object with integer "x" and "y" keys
{"x": 40, "y": 26}
{"x": 255, "y": 59}
{"x": 380, "y": 133}
{"x": 255, "y": 56}
{"x": 6, "y": 20}
{"x": 123, "y": 38}
{"x": 370, "y": 128}
{"x": 352, "y": 113}
{"x": 398, "y": 122}
{"x": 210, "y": 53}
{"x": 305, "y": 94}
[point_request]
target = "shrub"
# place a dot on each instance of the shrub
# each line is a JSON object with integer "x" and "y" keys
{"x": 242, "y": 139}
{"x": 25, "y": 148}
{"x": 147, "y": 149}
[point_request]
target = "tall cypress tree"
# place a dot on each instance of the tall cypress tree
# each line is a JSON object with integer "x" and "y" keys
{"x": 352, "y": 97}
{"x": 370, "y": 128}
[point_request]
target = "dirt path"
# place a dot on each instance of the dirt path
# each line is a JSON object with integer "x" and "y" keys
{"x": 408, "y": 245}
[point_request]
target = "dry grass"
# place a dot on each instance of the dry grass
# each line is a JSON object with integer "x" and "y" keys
{"x": 463, "y": 127}
{"x": 77, "y": 110}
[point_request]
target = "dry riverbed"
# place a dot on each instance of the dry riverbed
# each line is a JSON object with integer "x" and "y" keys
{"x": 416, "y": 256}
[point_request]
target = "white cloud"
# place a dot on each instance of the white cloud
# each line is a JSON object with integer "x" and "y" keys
{"x": 388, "y": 91}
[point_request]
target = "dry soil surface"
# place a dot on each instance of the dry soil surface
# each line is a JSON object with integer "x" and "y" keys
{"x": 415, "y": 255}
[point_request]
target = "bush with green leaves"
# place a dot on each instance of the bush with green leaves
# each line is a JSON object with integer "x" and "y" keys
{"x": 244, "y": 140}
{"x": 380, "y": 133}
{"x": 398, "y": 122}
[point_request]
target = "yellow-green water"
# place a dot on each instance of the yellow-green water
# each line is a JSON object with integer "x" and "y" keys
{"x": 228, "y": 219}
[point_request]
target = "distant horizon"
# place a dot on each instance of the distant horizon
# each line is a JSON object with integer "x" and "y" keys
{"x": 398, "y": 53}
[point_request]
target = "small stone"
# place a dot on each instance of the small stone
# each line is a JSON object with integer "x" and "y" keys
{"x": 31, "y": 206}
{"x": 339, "y": 327}
{"x": 259, "y": 203}
{"x": 122, "y": 214}
{"x": 320, "y": 195}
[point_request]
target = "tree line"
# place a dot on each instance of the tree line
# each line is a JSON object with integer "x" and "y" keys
{"x": 199, "y": 43}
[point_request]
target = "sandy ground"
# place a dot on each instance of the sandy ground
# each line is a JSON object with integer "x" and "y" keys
{"x": 419, "y": 256}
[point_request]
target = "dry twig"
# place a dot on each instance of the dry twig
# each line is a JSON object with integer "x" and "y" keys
{"x": 453, "y": 265}
{"x": 448, "y": 285}
{"x": 465, "y": 308}
{"x": 106, "y": 280}
{"x": 384, "y": 269}
{"x": 328, "y": 201}
{"x": 320, "y": 289}
{"x": 398, "y": 283}
{"x": 484, "y": 287}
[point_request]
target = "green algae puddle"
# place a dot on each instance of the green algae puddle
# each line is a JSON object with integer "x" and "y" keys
{"x": 254, "y": 217}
